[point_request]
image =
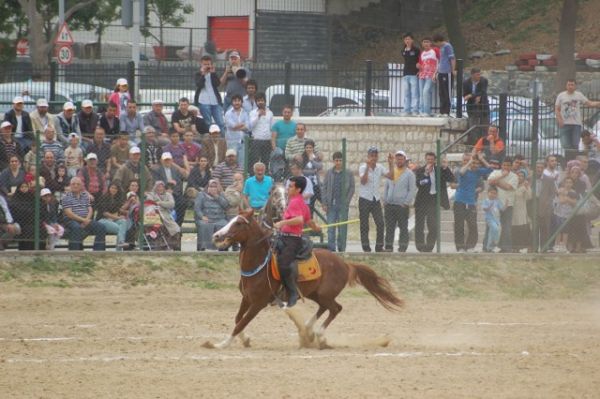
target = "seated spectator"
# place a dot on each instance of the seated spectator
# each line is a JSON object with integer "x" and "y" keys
{"x": 73, "y": 155}
{"x": 49, "y": 218}
{"x": 214, "y": 147}
{"x": 224, "y": 171}
{"x": 158, "y": 121}
{"x": 201, "y": 125}
{"x": 62, "y": 181}
{"x": 30, "y": 157}
{"x": 233, "y": 195}
{"x": 192, "y": 151}
{"x": 132, "y": 122}
{"x": 130, "y": 210}
{"x": 198, "y": 178}
{"x": 49, "y": 170}
{"x": 109, "y": 121}
{"x": 11, "y": 177}
{"x": 177, "y": 152}
{"x": 94, "y": 181}
{"x": 67, "y": 123}
{"x": 153, "y": 148}
{"x": 210, "y": 214}
{"x": 491, "y": 145}
{"x": 108, "y": 213}
{"x": 22, "y": 204}
{"x": 30, "y": 179}
{"x": 40, "y": 120}
{"x": 119, "y": 152}
{"x": 133, "y": 170}
{"x": 102, "y": 150}
{"x": 521, "y": 231}
{"x": 257, "y": 188}
{"x": 51, "y": 144}
{"x": 78, "y": 212}
{"x": 311, "y": 168}
{"x": 167, "y": 172}
{"x": 296, "y": 170}
{"x": 88, "y": 122}
{"x": 8, "y": 227}
{"x": 8, "y": 146}
{"x": 182, "y": 119}
{"x": 295, "y": 145}
{"x": 166, "y": 204}
{"x": 20, "y": 122}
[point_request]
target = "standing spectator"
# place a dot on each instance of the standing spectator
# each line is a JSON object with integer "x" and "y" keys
{"x": 568, "y": 116}
{"x": 198, "y": 178}
{"x": 506, "y": 182}
{"x": 410, "y": 81}
{"x": 214, "y": 147}
{"x": 132, "y": 122}
{"x": 446, "y": 70}
{"x": 20, "y": 122}
{"x": 234, "y": 79}
{"x": 132, "y": 170}
{"x": 11, "y": 177}
{"x": 207, "y": 95}
{"x": 338, "y": 190}
{"x": 465, "y": 201}
{"x": 426, "y": 199}
{"x": 399, "y": 195}
{"x": 261, "y": 121}
{"x": 224, "y": 171}
{"x": 110, "y": 122}
{"x": 51, "y": 144}
{"x": 521, "y": 232}
{"x": 92, "y": 177}
{"x": 177, "y": 152}
{"x": 370, "y": 174}
{"x": 491, "y": 145}
{"x": 478, "y": 107}
{"x": 209, "y": 209}
{"x": 182, "y": 119}
{"x": 8, "y": 227}
{"x": 102, "y": 150}
{"x": 257, "y": 188}
{"x": 295, "y": 145}
{"x": 78, "y": 214}
{"x": 40, "y": 119}
{"x": 578, "y": 237}
{"x": 492, "y": 207}
{"x": 8, "y": 146}
{"x": 153, "y": 149}
{"x": 67, "y": 123}
{"x": 157, "y": 119}
{"x": 237, "y": 122}
{"x": 119, "y": 152}
{"x": 428, "y": 66}
{"x": 108, "y": 213}
{"x": 311, "y": 168}
{"x": 545, "y": 191}
{"x": 590, "y": 145}
{"x": 283, "y": 129}
{"x": 120, "y": 97}
{"x": 249, "y": 103}
{"x": 49, "y": 218}
{"x": 88, "y": 121}
{"x": 169, "y": 173}
{"x": 73, "y": 155}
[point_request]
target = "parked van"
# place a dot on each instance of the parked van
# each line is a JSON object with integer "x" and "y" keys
{"x": 310, "y": 100}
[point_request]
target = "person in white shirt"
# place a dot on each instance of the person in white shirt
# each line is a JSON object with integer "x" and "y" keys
{"x": 506, "y": 182}
{"x": 237, "y": 121}
{"x": 261, "y": 120}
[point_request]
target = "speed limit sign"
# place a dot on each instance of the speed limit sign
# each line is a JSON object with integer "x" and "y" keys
{"x": 65, "y": 55}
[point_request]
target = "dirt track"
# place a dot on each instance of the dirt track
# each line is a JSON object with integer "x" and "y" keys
{"x": 111, "y": 341}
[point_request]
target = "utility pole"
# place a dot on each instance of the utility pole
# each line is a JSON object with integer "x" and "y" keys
{"x": 135, "y": 43}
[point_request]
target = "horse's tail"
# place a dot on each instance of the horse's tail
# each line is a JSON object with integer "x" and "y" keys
{"x": 377, "y": 286}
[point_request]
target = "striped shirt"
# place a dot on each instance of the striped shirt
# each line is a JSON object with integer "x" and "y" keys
{"x": 225, "y": 173}
{"x": 295, "y": 146}
{"x": 54, "y": 147}
{"x": 78, "y": 205}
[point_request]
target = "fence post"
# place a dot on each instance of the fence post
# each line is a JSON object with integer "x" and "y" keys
{"x": 53, "y": 79}
{"x": 131, "y": 78}
{"x": 287, "y": 82}
{"x": 502, "y": 115}
{"x": 344, "y": 210}
{"x": 36, "y": 216}
{"x": 534, "y": 157}
{"x": 459, "y": 87}
{"x": 142, "y": 195}
{"x": 246, "y": 145}
{"x": 438, "y": 194}
{"x": 191, "y": 43}
{"x": 368, "y": 88}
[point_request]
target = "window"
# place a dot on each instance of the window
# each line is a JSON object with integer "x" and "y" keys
{"x": 278, "y": 101}
{"x": 313, "y": 105}
{"x": 339, "y": 101}
{"x": 521, "y": 130}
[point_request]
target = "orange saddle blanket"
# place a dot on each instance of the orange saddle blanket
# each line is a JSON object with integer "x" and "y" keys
{"x": 307, "y": 269}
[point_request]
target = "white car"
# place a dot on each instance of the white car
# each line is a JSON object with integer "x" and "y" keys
{"x": 311, "y": 100}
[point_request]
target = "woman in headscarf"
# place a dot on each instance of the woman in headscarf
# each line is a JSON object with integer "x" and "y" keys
{"x": 21, "y": 206}
{"x": 521, "y": 231}
{"x": 166, "y": 204}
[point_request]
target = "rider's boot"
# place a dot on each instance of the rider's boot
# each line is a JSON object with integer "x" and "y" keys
{"x": 289, "y": 280}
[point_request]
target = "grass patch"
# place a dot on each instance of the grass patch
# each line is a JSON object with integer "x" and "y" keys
{"x": 42, "y": 284}
{"x": 80, "y": 267}
{"x": 212, "y": 285}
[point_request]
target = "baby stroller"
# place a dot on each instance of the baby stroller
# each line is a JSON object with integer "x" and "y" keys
{"x": 155, "y": 233}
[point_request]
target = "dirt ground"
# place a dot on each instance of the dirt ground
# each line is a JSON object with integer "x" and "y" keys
{"x": 109, "y": 340}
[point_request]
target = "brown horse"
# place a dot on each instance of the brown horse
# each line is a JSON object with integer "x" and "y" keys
{"x": 258, "y": 287}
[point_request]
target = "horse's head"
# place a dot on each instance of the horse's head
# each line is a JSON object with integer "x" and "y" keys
{"x": 276, "y": 204}
{"x": 239, "y": 229}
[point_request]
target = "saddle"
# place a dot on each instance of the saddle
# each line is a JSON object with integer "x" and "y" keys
{"x": 308, "y": 265}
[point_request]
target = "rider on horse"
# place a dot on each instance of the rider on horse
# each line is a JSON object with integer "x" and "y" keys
{"x": 295, "y": 216}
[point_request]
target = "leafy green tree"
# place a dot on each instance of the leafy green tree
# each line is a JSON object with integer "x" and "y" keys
{"x": 98, "y": 17}
{"x": 167, "y": 12}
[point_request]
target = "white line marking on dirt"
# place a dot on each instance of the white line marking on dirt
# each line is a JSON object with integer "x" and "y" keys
{"x": 517, "y": 323}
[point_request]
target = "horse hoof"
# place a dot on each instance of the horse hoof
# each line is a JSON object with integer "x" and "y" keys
{"x": 208, "y": 345}
{"x": 246, "y": 342}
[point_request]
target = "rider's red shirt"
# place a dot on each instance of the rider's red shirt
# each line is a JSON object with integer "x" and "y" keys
{"x": 296, "y": 207}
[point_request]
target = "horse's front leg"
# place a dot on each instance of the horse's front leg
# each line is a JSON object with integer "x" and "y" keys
{"x": 244, "y": 305}
{"x": 253, "y": 310}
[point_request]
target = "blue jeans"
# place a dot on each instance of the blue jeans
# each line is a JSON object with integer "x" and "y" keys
{"x": 411, "y": 93}
{"x": 425, "y": 88}
{"x": 493, "y": 234}
{"x": 118, "y": 227}
{"x": 77, "y": 234}
{"x": 213, "y": 114}
{"x": 569, "y": 138}
{"x": 336, "y": 214}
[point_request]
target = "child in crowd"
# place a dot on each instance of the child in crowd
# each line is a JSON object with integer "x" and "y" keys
{"x": 73, "y": 155}
{"x": 564, "y": 203}
{"x": 492, "y": 207}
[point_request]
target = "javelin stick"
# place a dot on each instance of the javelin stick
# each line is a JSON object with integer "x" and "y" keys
{"x": 333, "y": 224}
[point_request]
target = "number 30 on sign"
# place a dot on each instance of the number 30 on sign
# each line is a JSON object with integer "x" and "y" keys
{"x": 65, "y": 55}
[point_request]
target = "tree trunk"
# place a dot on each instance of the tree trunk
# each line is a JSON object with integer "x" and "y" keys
{"x": 452, "y": 22}
{"x": 566, "y": 43}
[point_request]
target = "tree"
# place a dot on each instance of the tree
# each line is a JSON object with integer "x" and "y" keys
{"x": 44, "y": 13}
{"x": 98, "y": 17}
{"x": 12, "y": 22}
{"x": 167, "y": 12}
{"x": 452, "y": 21}
{"x": 566, "y": 43}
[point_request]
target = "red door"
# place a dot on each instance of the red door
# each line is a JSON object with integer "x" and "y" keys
{"x": 230, "y": 33}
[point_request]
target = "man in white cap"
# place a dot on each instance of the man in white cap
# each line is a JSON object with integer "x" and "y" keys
{"x": 168, "y": 173}
{"x": 67, "y": 123}
{"x": 88, "y": 120}
{"x": 21, "y": 123}
{"x": 157, "y": 119}
{"x": 132, "y": 170}
{"x": 234, "y": 78}
{"x": 398, "y": 196}
{"x": 225, "y": 170}
{"x": 214, "y": 146}
{"x": 8, "y": 146}
{"x": 92, "y": 177}
{"x": 41, "y": 118}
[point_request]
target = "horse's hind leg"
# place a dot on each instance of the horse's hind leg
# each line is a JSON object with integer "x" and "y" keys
{"x": 334, "y": 309}
{"x": 310, "y": 323}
